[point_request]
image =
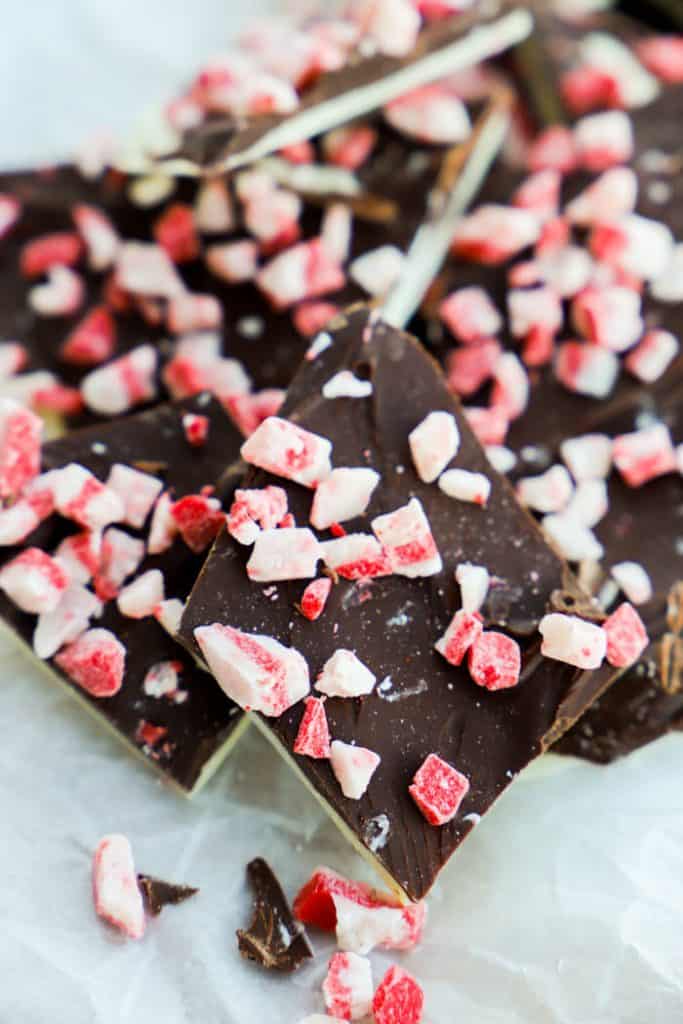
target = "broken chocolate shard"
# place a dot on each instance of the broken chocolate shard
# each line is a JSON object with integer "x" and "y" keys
{"x": 392, "y": 622}
{"x": 363, "y": 85}
{"x": 274, "y": 938}
{"x": 157, "y": 894}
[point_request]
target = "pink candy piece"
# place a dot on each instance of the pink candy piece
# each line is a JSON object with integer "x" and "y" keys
{"x": 493, "y": 234}
{"x": 120, "y": 557}
{"x": 438, "y": 789}
{"x": 637, "y": 247}
{"x": 353, "y": 767}
{"x": 92, "y": 341}
{"x": 80, "y": 496}
{"x": 651, "y": 357}
{"x": 313, "y": 737}
{"x": 604, "y": 140}
{"x": 115, "y": 388}
{"x": 626, "y": 636}
{"x": 162, "y": 528}
{"x": 490, "y": 426}
{"x": 465, "y": 486}
{"x": 284, "y": 554}
{"x": 537, "y": 307}
{"x": 343, "y": 495}
{"x": 255, "y": 671}
{"x": 471, "y": 366}
{"x": 80, "y": 555}
{"x": 66, "y": 622}
{"x": 20, "y": 438}
{"x": 663, "y": 56}
{"x": 138, "y": 599}
{"x": 494, "y": 661}
{"x": 586, "y": 369}
{"x": 398, "y": 999}
{"x": 540, "y": 193}
{"x": 144, "y": 268}
{"x": 196, "y": 429}
{"x": 311, "y": 317}
{"x": 356, "y": 556}
{"x": 362, "y": 924}
{"x": 314, "y": 598}
{"x": 95, "y": 661}
{"x": 470, "y": 315}
{"x": 286, "y": 450}
{"x": 302, "y": 272}
{"x": 549, "y": 492}
{"x": 432, "y": 114}
{"x": 393, "y": 25}
{"x": 115, "y": 886}
{"x": 510, "y": 392}
{"x": 377, "y": 270}
{"x": 573, "y": 641}
{"x": 34, "y": 581}
{"x": 433, "y": 443}
{"x": 273, "y": 218}
{"x": 42, "y": 254}
{"x": 190, "y": 312}
{"x": 586, "y": 88}
{"x": 10, "y": 212}
{"x": 138, "y": 491}
{"x": 553, "y": 149}
{"x": 99, "y": 234}
{"x": 612, "y": 195}
{"x": 198, "y": 519}
{"x": 175, "y": 232}
{"x": 213, "y": 212}
{"x": 250, "y": 410}
{"x": 644, "y": 454}
{"x": 344, "y": 675}
{"x": 349, "y": 146}
{"x": 256, "y": 509}
{"x": 347, "y": 988}
{"x": 634, "y": 580}
{"x": 61, "y": 295}
{"x": 17, "y": 522}
{"x": 233, "y": 262}
{"x": 407, "y": 540}
{"x": 609, "y": 317}
{"x": 463, "y": 630}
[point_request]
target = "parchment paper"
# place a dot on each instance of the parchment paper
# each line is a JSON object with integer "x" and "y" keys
{"x": 564, "y": 906}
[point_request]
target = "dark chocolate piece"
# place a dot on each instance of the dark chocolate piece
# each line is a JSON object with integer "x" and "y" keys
{"x": 274, "y": 938}
{"x": 664, "y": 15}
{"x": 197, "y": 730}
{"x": 157, "y": 894}
{"x": 421, "y": 704}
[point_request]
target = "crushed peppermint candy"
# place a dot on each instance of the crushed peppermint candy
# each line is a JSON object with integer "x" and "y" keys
{"x": 20, "y": 438}
{"x": 549, "y": 492}
{"x": 353, "y": 767}
{"x": 117, "y": 896}
{"x": 438, "y": 789}
{"x": 398, "y": 998}
{"x": 633, "y": 580}
{"x": 138, "y": 599}
{"x": 314, "y": 598}
{"x": 586, "y": 369}
{"x": 569, "y": 639}
{"x": 433, "y": 443}
{"x": 588, "y": 457}
{"x": 34, "y": 581}
{"x": 470, "y": 315}
{"x": 284, "y": 554}
{"x": 626, "y": 636}
{"x": 407, "y": 541}
{"x": 494, "y": 661}
{"x": 66, "y": 622}
{"x": 345, "y": 675}
{"x": 473, "y": 581}
{"x": 286, "y": 450}
{"x": 313, "y": 737}
{"x": 604, "y": 140}
{"x": 137, "y": 490}
{"x": 356, "y": 556}
{"x": 465, "y": 485}
{"x": 128, "y": 381}
{"x": 377, "y": 270}
{"x": 95, "y": 661}
{"x": 493, "y": 234}
{"x": 644, "y": 454}
{"x": 465, "y": 627}
{"x": 652, "y": 356}
{"x": 343, "y": 495}
{"x": 198, "y": 520}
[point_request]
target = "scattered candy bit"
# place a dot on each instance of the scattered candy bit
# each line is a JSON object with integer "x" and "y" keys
{"x": 465, "y": 485}
{"x": 315, "y": 905}
{"x": 146, "y": 269}
{"x": 213, "y": 212}
{"x": 432, "y": 114}
{"x": 198, "y": 520}
{"x": 634, "y": 580}
{"x": 353, "y": 767}
{"x": 345, "y": 385}
{"x": 588, "y": 457}
{"x": 626, "y": 636}
{"x": 34, "y": 581}
{"x": 407, "y": 541}
{"x": 347, "y": 987}
{"x": 80, "y": 496}
{"x": 286, "y": 450}
{"x": 310, "y": 317}
{"x": 98, "y": 233}
{"x": 138, "y": 492}
{"x": 609, "y": 197}
{"x": 20, "y": 438}
{"x": 92, "y": 341}
{"x": 377, "y": 270}
{"x": 343, "y": 495}
{"x": 115, "y": 388}
{"x": 233, "y": 262}
{"x": 438, "y": 789}
{"x": 652, "y": 356}
{"x": 586, "y": 369}
{"x": 464, "y": 628}
{"x": 398, "y": 999}
{"x": 284, "y": 554}
{"x": 66, "y": 622}
{"x": 356, "y": 556}
{"x": 433, "y": 443}
{"x": 187, "y": 313}
{"x": 313, "y": 737}
{"x": 118, "y": 899}
{"x": 10, "y": 212}
{"x": 663, "y": 56}
{"x": 604, "y": 140}
{"x": 120, "y": 557}
{"x": 349, "y": 146}
{"x": 61, "y": 295}
{"x": 510, "y": 392}
{"x": 553, "y": 149}
{"x": 573, "y": 641}
{"x": 314, "y": 598}
{"x": 42, "y": 254}
{"x": 196, "y": 429}
{"x": 571, "y": 538}
{"x": 589, "y": 502}
{"x": 644, "y": 454}
{"x": 302, "y": 272}
{"x": 95, "y": 661}
{"x": 493, "y": 234}
{"x": 138, "y": 599}
{"x": 345, "y": 675}
{"x": 474, "y": 584}
{"x": 494, "y": 661}
{"x": 549, "y": 492}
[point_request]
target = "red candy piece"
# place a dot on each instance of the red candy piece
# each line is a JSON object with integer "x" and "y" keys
{"x": 438, "y": 789}
{"x": 663, "y": 56}
{"x": 464, "y": 629}
{"x": 20, "y": 435}
{"x": 495, "y": 661}
{"x": 196, "y": 428}
{"x": 313, "y": 737}
{"x": 198, "y": 519}
{"x": 95, "y": 661}
{"x": 311, "y": 317}
{"x": 553, "y": 149}
{"x": 314, "y": 903}
{"x": 314, "y": 598}
{"x": 489, "y": 425}
{"x": 626, "y": 636}
{"x": 92, "y": 340}
{"x": 58, "y": 398}
{"x": 350, "y": 146}
{"x": 587, "y": 88}
{"x": 398, "y": 999}
{"x": 150, "y": 734}
{"x": 40, "y": 255}
{"x": 176, "y": 233}
{"x": 644, "y": 454}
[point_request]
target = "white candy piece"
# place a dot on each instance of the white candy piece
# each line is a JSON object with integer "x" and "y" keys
{"x": 286, "y": 554}
{"x": 609, "y": 197}
{"x": 107, "y": 390}
{"x": 588, "y": 457}
{"x": 534, "y": 307}
{"x": 139, "y": 599}
{"x": 161, "y": 680}
{"x": 345, "y": 675}
{"x": 502, "y": 459}
{"x": 573, "y": 540}
{"x": 115, "y": 886}
{"x": 433, "y": 443}
{"x": 407, "y": 540}
{"x": 98, "y": 233}
{"x": 121, "y": 555}
{"x": 589, "y": 503}
{"x": 605, "y": 133}
{"x": 474, "y": 585}
{"x": 609, "y": 316}
{"x": 607, "y": 54}
{"x": 648, "y": 249}
{"x": 355, "y": 549}
{"x": 433, "y": 114}
{"x": 213, "y": 212}
{"x": 573, "y": 641}
{"x": 16, "y": 522}
{"x": 348, "y": 985}
{"x": 353, "y": 767}
{"x": 34, "y": 581}
{"x": 668, "y": 285}
{"x": 511, "y": 385}
{"x": 651, "y": 357}
{"x": 393, "y": 25}
{"x": 566, "y": 270}
{"x": 548, "y": 492}
{"x": 360, "y": 929}
{"x": 66, "y": 622}
{"x": 60, "y": 295}
{"x": 79, "y": 495}
{"x": 145, "y": 268}
{"x": 168, "y": 614}
{"x": 282, "y": 448}
{"x": 234, "y": 262}
{"x": 377, "y": 270}
{"x": 345, "y": 385}
{"x": 470, "y": 314}
{"x": 634, "y": 580}
{"x": 345, "y": 494}
{"x": 465, "y": 485}
{"x": 163, "y": 528}
{"x": 336, "y": 230}
{"x": 255, "y": 671}
{"x": 138, "y": 492}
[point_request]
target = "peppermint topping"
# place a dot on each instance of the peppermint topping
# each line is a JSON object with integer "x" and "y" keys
{"x": 347, "y": 988}
{"x": 80, "y": 496}
{"x": 282, "y": 448}
{"x": 470, "y": 315}
{"x": 494, "y": 661}
{"x": 474, "y": 584}
{"x": 20, "y": 438}
{"x": 549, "y": 492}
{"x": 117, "y": 387}
{"x": 138, "y": 599}
{"x": 314, "y": 598}
{"x": 432, "y": 114}
{"x": 464, "y": 628}
{"x": 377, "y": 270}
{"x": 284, "y": 554}
{"x": 138, "y": 492}
{"x": 66, "y": 622}
{"x": 588, "y": 457}
{"x": 233, "y": 262}
{"x": 345, "y": 675}
{"x": 353, "y": 767}
{"x": 492, "y": 234}
{"x": 198, "y": 520}
{"x": 343, "y": 495}
{"x": 120, "y": 557}
{"x": 438, "y": 789}
{"x": 626, "y": 636}
{"x": 118, "y": 899}
{"x": 464, "y": 485}
{"x": 604, "y": 140}
{"x": 586, "y": 369}
{"x": 634, "y": 580}
{"x": 313, "y": 737}
{"x": 649, "y": 360}
{"x": 253, "y": 510}
{"x": 356, "y": 556}
{"x": 433, "y": 443}
{"x": 571, "y": 640}
{"x": 407, "y": 541}
{"x": 644, "y": 454}
{"x": 34, "y": 581}
{"x": 398, "y": 998}
{"x": 92, "y": 341}
{"x": 95, "y": 661}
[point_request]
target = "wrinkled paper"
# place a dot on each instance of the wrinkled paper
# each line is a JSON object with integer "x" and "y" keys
{"x": 563, "y": 907}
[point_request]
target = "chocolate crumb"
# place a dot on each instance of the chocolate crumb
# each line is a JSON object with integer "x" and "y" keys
{"x": 157, "y": 894}
{"x": 274, "y": 939}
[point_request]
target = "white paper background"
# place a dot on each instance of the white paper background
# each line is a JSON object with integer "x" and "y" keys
{"x": 564, "y": 906}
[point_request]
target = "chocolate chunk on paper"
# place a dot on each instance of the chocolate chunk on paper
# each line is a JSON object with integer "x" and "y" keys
{"x": 274, "y": 938}
{"x": 157, "y": 894}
